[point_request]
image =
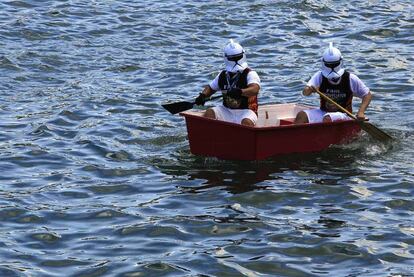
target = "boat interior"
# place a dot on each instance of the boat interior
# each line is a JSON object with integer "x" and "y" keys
{"x": 278, "y": 114}
{"x": 271, "y": 115}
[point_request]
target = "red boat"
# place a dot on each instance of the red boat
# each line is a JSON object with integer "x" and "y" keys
{"x": 274, "y": 134}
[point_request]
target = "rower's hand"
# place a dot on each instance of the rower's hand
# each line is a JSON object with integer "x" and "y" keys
{"x": 234, "y": 93}
{"x": 308, "y": 90}
{"x": 361, "y": 116}
{"x": 200, "y": 100}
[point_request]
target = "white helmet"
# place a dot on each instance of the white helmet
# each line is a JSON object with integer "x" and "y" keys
{"x": 234, "y": 57}
{"x": 332, "y": 64}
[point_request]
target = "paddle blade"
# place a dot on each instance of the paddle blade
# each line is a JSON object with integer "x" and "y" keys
{"x": 376, "y": 133}
{"x": 178, "y": 106}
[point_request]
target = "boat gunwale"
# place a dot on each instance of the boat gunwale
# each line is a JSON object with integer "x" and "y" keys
{"x": 269, "y": 128}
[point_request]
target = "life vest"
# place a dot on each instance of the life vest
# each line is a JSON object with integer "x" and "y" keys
{"x": 340, "y": 93}
{"x": 238, "y": 80}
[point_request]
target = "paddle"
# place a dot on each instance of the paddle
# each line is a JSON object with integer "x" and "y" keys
{"x": 184, "y": 105}
{"x": 375, "y": 132}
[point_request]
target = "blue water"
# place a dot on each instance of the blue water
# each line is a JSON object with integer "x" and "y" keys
{"x": 97, "y": 179}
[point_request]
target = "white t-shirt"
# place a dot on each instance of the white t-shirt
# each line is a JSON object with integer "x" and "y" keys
{"x": 252, "y": 78}
{"x": 359, "y": 89}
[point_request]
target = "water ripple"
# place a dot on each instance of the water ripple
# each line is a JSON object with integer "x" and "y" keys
{"x": 98, "y": 179}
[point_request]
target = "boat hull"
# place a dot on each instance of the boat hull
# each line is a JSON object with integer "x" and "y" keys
{"x": 209, "y": 137}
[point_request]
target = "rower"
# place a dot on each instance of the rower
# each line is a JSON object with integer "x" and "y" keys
{"x": 240, "y": 86}
{"x": 338, "y": 84}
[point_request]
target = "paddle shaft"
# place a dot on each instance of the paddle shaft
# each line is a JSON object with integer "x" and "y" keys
{"x": 336, "y": 104}
{"x": 184, "y": 105}
{"x": 375, "y": 132}
{"x": 214, "y": 97}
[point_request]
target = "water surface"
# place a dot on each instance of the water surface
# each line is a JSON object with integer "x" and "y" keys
{"x": 97, "y": 178}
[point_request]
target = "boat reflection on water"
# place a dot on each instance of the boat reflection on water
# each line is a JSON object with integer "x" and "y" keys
{"x": 307, "y": 192}
{"x": 326, "y": 167}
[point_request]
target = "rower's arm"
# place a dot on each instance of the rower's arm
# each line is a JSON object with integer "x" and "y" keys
{"x": 364, "y": 105}
{"x": 208, "y": 91}
{"x": 251, "y": 90}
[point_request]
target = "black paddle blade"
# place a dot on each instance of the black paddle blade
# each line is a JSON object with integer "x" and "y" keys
{"x": 376, "y": 133}
{"x": 178, "y": 106}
